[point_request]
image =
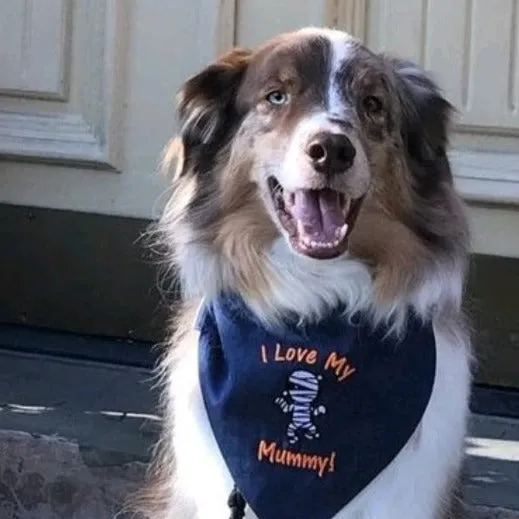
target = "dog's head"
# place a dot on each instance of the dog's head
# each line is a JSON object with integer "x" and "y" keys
{"x": 313, "y": 138}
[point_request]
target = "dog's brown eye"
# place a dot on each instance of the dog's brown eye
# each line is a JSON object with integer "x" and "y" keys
{"x": 278, "y": 98}
{"x": 373, "y": 105}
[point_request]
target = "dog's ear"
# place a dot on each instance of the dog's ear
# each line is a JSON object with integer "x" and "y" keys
{"x": 425, "y": 113}
{"x": 206, "y": 103}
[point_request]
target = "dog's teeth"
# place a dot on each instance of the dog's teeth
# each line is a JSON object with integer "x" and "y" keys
{"x": 305, "y": 240}
{"x": 301, "y": 229}
{"x": 308, "y": 243}
{"x": 341, "y": 232}
{"x": 323, "y": 244}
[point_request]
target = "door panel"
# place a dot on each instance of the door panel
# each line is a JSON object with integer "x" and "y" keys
{"x": 87, "y": 133}
{"x": 471, "y": 47}
{"x": 72, "y": 55}
{"x": 34, "y": 39}
{"x": 257, "y": 20}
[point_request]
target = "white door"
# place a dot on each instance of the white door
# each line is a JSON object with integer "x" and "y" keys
{"x": 86, "y": 90}
{"x": 86, "y": 94}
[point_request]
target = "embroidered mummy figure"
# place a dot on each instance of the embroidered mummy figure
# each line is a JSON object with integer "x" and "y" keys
{"x": 303, "y": 390}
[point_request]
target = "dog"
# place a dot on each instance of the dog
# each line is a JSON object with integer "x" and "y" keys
{"x": 312, "y": 187}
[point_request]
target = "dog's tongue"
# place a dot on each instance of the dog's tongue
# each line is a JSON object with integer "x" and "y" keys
{"x": 320, "y": 213}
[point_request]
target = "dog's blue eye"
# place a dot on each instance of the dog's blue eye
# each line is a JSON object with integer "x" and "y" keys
{"x": 278, "y": 98}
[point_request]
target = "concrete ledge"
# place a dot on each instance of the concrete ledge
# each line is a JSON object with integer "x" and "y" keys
{"x": 492, "y": 463}
{"x": 485, "y": 512}
{"x": 107, "y": 409}
{"x": 88, "y": 429}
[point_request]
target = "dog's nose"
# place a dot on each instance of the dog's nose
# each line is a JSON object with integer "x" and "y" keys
{"x": 331, "y": 153}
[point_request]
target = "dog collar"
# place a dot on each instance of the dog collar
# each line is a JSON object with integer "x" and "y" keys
{"x": 306, "y": 417}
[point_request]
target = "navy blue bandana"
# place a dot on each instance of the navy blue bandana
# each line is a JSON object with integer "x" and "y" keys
{"x": 306, "y": 418}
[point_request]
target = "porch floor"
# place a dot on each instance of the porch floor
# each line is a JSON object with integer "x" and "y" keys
{"x": 75, "y": 436}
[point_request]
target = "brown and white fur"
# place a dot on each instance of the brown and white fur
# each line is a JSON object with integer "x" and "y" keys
{"x": 247, "y": 122}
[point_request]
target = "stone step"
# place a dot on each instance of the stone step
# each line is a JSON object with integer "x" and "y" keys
{"x": 44, "y": 477}
{"x": 75, "y": 437}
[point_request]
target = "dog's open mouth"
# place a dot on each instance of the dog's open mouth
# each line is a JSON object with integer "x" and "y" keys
{"x": 318, "y": 222}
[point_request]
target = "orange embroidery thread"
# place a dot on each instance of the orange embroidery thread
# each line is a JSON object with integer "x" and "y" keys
{"x": 340, "y": 366}
{"x": 295, "y": 354}
{"x": 270, "y": 452}
{"x": 264, "y": 354}
{"x": 337, "y": 363}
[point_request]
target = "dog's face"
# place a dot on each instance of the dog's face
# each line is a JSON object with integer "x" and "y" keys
{"x": 316, "y": 108}
{"x": 314, "y": 138}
